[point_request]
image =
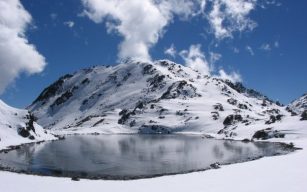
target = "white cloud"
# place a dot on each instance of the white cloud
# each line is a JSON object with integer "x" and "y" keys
{"x": 196, "y": 59}
{"x": 233, "y": 76}
{"x": 276, "y": 44}
{"x": 69, "y": 24}
{"x": 229, "y": 16}
{"x": 142, "y": 23}
{"x": 171, "y": 51}
{"x": 250, "y": 50}
{"x": 17, "y": 55}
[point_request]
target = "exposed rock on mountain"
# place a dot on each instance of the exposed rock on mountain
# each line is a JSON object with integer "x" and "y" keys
{"x": 159, "y": 97}
{"x": 19, "y": 126}
{"x": 299, "y": 107}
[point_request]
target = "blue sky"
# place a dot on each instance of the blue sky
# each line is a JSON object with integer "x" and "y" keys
{"x": 271, "y": 58}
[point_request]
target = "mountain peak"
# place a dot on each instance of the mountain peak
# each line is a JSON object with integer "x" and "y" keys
{"x": 160, "y": 96}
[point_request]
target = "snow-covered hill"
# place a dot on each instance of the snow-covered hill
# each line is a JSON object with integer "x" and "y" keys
{"x": 299, "y": 107}
{"x": 18, "y": 126}
{"x": 159, "y": 97}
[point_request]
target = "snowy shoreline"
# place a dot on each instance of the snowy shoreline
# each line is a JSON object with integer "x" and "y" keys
{"x": 279, "y": 173}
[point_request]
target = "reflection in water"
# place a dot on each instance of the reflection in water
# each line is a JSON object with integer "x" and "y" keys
{"x": 131, "y": 156}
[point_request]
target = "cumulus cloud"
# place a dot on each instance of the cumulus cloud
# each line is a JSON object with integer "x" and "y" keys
{"x": 17, "y": 55}
{"x": 171, "y": 51}
{"x": 142, "y": 23}
{"x": 228, "y": 16}
{"x": 196, "y": 59}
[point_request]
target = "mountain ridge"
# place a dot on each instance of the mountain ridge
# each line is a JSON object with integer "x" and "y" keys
{"x": 158, "y": 97}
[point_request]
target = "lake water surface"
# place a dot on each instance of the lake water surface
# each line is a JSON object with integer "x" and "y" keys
{"x": 131, "y": 156}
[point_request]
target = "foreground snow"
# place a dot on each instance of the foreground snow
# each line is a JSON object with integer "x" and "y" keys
{"x": 281, "y": 173}
{"x": 15, "y": 121}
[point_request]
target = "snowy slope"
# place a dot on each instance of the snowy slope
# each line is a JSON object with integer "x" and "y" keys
{"x": 159, "y": 97}
{"x": 299, "y": 105}
{"x": 17, "y": 127}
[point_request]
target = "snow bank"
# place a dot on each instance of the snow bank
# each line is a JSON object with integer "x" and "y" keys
{"x": 16, "y": 127}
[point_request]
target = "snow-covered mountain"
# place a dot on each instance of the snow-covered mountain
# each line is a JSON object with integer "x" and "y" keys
{"x": 18, "y": 126}
{"x": 159, "y": 97}
{"x": 299, "y": 107}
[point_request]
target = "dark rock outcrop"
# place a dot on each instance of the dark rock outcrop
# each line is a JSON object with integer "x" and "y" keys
{"x": 149, "y": 70}
{"x": 23, "y": 132}
{"x": 239, "y": 87}
{"x": 304, "y": 116}
{"x": 232, "y": 119}
{"x": 52, "y": 89}
{"x": 30, "y": 123}
{"x": 232, "y": 101}
{"x": 154, "y": 129}
{"x": 156, "y": 82}
{"x": 125, "y": 114}
{"x": 180, "y": 89}
{"x": 64, "y": 97}
{"x": 273, "y": 119}
{"x": 215, "y": 115}
{"x": 267, "y": 134}
{"x": 218, "y": 107}
{"x": 242, "y": 106}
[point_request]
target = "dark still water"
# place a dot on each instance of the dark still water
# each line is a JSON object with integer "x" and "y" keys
{"x": 131, "y": 156}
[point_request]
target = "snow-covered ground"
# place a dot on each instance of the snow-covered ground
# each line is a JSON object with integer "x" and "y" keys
{"x": 16, "y": 127}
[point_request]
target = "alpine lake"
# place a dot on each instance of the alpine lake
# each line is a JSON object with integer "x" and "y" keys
{"x": 125, "y": 157}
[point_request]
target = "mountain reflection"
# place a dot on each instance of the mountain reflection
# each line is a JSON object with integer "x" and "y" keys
{"x": 122, "y": 156}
